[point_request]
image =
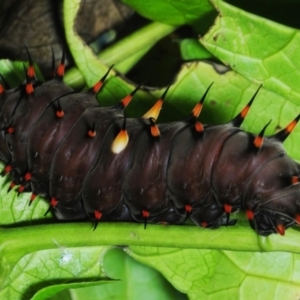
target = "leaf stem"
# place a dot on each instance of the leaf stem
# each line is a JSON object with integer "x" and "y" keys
{"x": 127, "y": 52}
{"x": 17, "y": 242}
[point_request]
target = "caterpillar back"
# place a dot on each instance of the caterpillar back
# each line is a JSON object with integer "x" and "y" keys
{"x": 91, "y": 162}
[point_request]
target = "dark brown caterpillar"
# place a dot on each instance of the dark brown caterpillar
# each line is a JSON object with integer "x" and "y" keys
{"x": 91, "y": 161}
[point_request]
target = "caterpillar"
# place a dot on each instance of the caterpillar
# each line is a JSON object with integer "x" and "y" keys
{"x": 92, "y": 162}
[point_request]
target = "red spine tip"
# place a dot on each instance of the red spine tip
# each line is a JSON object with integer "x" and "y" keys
{"x": 126, "y": 100}
{"x": 227, "y": 208}
{"x": 10, "y": 130}
{"x": 21, "y": 188}
{"x": 91, "y": 133}
{"x": 250, "y": 215}
{"x": 60, "y": 70}
{"x": 297, "y": 218}
{"x": 7, "y": 169}
{"x": 32, "y": 197}
{"x": 53, "y": 202}
{"x": 258, "y": 142}
{"x": 27, "y": 176}
{"x": 29, "y": 89}
{"x": 295, "y": 179}
{"x": 97, "y": 215}
{"x": 280, "y": 228}
{"x": 2, "y": 90}
{"x": 11, "y": 186}
{"x": 97, "y": 86}
{"x": 163, "y": 223}
{"x": 188, "y": 208}
{"x": 204, "y": 224}
{"x": 197, "y": 110}
{"x": 245, "y": 111}
{"x": 31, "y": 72}
{"x": 154, "y": 131}
{"x": 145, "y": 213}
{"x": 60, "y": 113}
{"x": 291, "y": 127}
{"x": 199, "y": 127}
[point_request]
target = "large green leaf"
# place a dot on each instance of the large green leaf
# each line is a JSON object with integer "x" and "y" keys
{"x": 226, "y": 274}
{"x": 172, "y": 11}
{"x": 59, "y": 265}
{"x": 257, "y": 48}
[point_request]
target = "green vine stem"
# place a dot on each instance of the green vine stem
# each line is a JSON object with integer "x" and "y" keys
{"x": 17, "y": 242}
{"x": 127, "y": 52}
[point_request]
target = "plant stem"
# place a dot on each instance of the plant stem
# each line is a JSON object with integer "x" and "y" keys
{"x": 17, "y": 242}
{"x": 126, "y": 52}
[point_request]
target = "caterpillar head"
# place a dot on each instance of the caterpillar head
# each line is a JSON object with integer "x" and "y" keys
{"x": 272, "y": 199}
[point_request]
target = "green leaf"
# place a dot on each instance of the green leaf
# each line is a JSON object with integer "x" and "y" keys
{"x": 228, "y": 96}
{"x": 14, "y": 209}
{"x": 40, "y": 269}
{"x": 132, "y": 280}
{"x": 192, "y": 50}
{"x": 135, "y": 279}
{"x": 60, "y": 291}
{"x": 257, "y": 48}
{"x": 179, "y": 265}
{"x": 174, "y": 12}
{"x": 225, "y": 274}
